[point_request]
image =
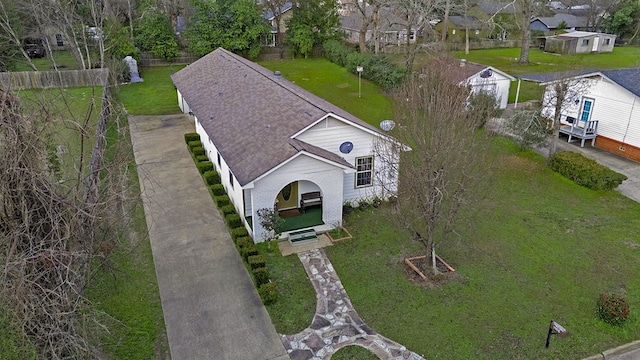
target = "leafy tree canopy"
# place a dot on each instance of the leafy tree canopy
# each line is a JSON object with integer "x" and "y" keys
{"x": 313, "y": 22}
{"x": 624, "y": 20}
{"x": 154, "y": 33}
{"x": 236, "y": 25}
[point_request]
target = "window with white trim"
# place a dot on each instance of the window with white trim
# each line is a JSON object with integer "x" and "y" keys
{"x": 364, "y": 171}
{"x": 230, "y": 179}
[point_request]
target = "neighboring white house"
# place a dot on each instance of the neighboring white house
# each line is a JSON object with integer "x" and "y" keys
{"x": 612, "y": 97}
{"x": 273, "y": 142}
{"x": 485, "y": 78}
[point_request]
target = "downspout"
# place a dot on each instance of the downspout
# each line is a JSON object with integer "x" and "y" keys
{"x": 515, "y": 106}
{"x": 633, "y": 105}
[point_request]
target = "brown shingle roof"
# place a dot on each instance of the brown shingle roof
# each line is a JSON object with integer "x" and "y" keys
{"x": 250, "y": 113}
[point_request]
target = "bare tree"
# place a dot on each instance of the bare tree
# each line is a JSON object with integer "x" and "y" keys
{"x": 369, "y": 13}
{"x": 447, "y": 162}
{"x": 58, "y": 217}
{"x": 560, "y": 98}
{"x": 275, "y": 7}
{"x": 417, "y": 14}
{"x": 527, "y": 8}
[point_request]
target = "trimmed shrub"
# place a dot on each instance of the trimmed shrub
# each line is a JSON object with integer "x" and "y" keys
{"x": 261, "y": 276}
{"x": 613, "y": 308}
{"x": 211, "y": 177}
{"x": 584, "y": 171}
{"x": 189, "y": 137}
{"x": 243, "y": 242}
{"x": 337, "y": 51}
{"x": 228, "y": 210}
{"x": 217, "y": 190}
{"x": 201, "y": 158}
{"x": 233, "y": 220}
{"x": 256, "y": 261}
{"x": 204, "y": 166}
{"x": 377, "y": 67}
{"x": 198, "y": 151}
{"x": 194, "y": 144}
{"x": 250, "y": 251}
{"x": 268, "y": 293}
{"x": 222, "y": 200}
{"x": 238, "y": 233}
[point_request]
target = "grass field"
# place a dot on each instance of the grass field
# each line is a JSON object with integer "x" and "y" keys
{"x": 69, "y": 112}
{"x": 336, "y": 85}
{"x": 125, "y": 288}
{"x": 506, "y": 59}
{"x": 538, "y": 248}
{"x": 155, "y": 96}
{"x": 541, "y": 62}
{"x": 63, "y": 59}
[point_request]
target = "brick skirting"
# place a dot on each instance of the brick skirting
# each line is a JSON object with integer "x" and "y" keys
{"x": 617, "y": 147}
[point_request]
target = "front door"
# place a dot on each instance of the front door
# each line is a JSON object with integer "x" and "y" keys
{"x": 288, "y": 197}
{"x": 587, "y": 108}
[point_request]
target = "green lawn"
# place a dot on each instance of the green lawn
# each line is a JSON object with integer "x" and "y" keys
{"x": 64, "y": 61}
{"x": 538, "y": 248}
{"x": 67, "y": 109}
{"x": 541, "y": 62}
{"x": 155, "y": 96}
{"x": 125, "y": 288}
{"x": 506, "y": 59}
{"x": 336, "y": 85}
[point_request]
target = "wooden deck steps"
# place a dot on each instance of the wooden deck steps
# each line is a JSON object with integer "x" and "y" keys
{"x": 302, "y": 237}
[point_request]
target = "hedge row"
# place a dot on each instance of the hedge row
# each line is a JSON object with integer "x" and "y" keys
{"x": 584, "y": 171}
{"x": 377, "y": 67}
{"x": 244, "y": 244}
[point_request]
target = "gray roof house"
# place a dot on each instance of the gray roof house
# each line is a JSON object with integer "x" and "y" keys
{"x": 277, "y": 146}
{"x": 548, "y": 24}
{"x": 392, "y": 29}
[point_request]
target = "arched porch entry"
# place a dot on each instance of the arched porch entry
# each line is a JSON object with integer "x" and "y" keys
{"x": 300, "y": 205}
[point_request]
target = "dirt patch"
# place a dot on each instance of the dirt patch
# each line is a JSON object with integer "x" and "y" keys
{"x": 446, "y": 274}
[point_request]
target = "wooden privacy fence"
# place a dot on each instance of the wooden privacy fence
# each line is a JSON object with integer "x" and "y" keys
{"x": 46, "y": 79}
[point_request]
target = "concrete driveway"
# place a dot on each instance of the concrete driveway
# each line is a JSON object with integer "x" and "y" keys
{"x": 211, "y": 308}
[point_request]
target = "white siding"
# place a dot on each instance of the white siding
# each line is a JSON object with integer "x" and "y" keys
{"x": 235, "y": 193}
{"x": 326, "y": 177}
{"x": 502, "y": 84}
{"x": 328, "y": 135}
{"x": 183, "y": 104}
{"x": 617, "y": 110}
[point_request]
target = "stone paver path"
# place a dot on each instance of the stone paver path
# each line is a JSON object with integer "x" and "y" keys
{"x": 336, "y": 323}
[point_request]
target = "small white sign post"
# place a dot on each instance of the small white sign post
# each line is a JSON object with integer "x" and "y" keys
{"x": 359, "y": 69}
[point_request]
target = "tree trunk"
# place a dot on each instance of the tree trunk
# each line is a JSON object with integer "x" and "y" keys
{"x": 362, "y": 34}
{"x": 466, "y": 30}
{"x": 446, "y": 21}
{"x": 526, "y": 33}
{"x": 561, "y": 90}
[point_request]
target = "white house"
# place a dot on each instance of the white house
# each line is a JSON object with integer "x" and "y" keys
{"x": 485, "y": 78}
{"x": 278, "y": 146}
{"x": 611, "y": 97}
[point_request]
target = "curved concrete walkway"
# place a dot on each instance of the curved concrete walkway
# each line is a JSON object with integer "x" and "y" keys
{"x": 211, "y": 308}
{"x": 336, "y": 323}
